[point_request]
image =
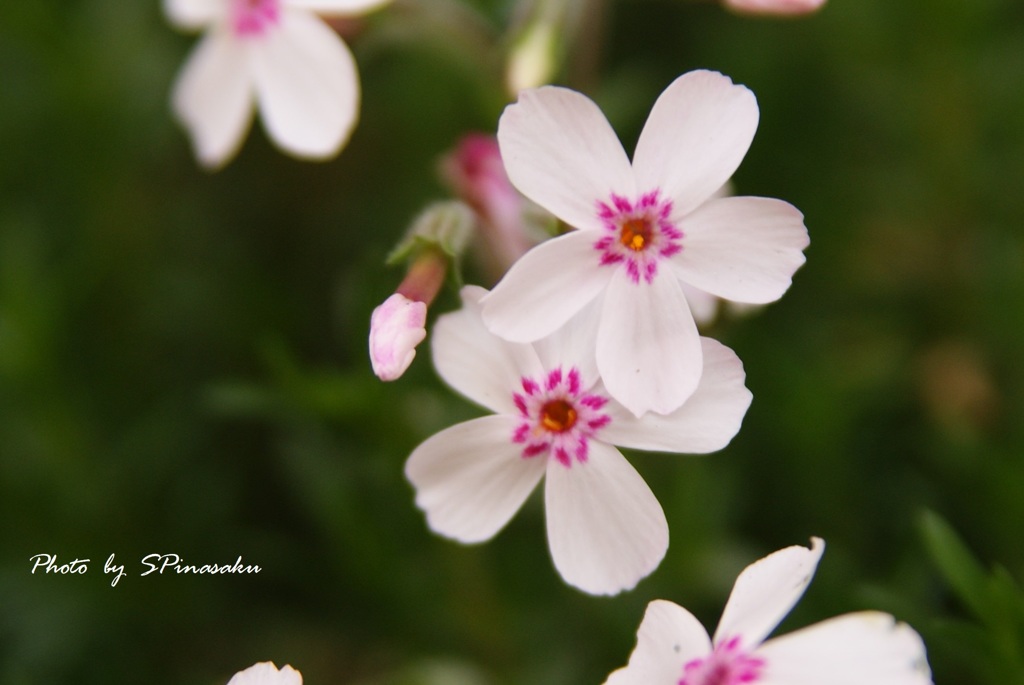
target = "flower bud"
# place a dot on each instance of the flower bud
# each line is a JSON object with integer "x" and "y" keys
{"x": 436, "y": 237}
{"x": 396, "y": 327}
{"x": 476, "y": 174}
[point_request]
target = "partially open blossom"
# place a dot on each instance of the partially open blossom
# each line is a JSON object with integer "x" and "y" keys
{"x": 396, "y": 327}
{"x": 274, "y": 53}
{"x": 644, "y": 227}
{"x": 865, "y": 648}
{"x": 437, "y": 236}
{"x": 555, "y": 420}
{"x": 399, "y": 324}
{"x": 508, "y": 221}
{"x": 779, "y": 7}
{"x": 266, "y": 673}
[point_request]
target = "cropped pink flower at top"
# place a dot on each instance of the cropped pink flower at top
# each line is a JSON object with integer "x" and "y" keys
{"x": 475, "y": 172}
{"x": 774, "y": 7}
{"x": 554, "y": 420}
{"x": 643, "y": 229}
{"x": 865, "y": 648}
{"x": 274, "y": 53}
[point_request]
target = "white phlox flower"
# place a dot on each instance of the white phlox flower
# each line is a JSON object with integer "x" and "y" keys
{"x": 864, "y": 648}
{"x": 266, "y": 673}
{"x": 555, "y": 420}
{"x": 277, "y": 53}
{"x": 643, "y": 228}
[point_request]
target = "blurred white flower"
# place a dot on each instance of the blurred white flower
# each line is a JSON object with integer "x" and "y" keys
{"x": 865, "y": 648}
{"x": 278, "y": 54}
{"x": 555, "y": 420}
{"x": 644, "y": 227}
{"x": 266, "y": 673}
{"x": 396, "y": 327}
{"x": 778, "y": 7}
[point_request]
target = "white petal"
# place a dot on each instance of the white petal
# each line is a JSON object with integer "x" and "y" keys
{"x": 742, "y": 248}
{"x": 213, "y": 97}
{"x": 562, "y": 153}
{"x": 545, "y": 287}
{"x": 194, "y": 14}
{"x": 695, "y": 138}
{"x": 266, "y": 673}
{"x": 766, "y": 591}
{"x": 337, "y": 7}
{"x": 855, "y": 649}
{"x": 470, "y": 479}
{"x": 706, "y": 422}
{"x": 648, "y": 349}
{"x": 605, "y": 527}
{"x": 573, "y": 344}
{"x": 307, "y": 86}
{"x": 669, "y": 637}
{"x": 478, "y": 364}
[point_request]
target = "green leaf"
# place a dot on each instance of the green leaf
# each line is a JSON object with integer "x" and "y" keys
{"x": 961, "y": 570}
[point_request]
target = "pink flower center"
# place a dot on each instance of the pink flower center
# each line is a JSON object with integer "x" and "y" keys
{"x": 558, "y": 417}
{"x": 637, "y": 234}
{"x": 254, "y": 17}
{"x": 728, "y": 664}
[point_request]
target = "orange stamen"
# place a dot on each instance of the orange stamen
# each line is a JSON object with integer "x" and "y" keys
{"x": 557, "y": 416}
{"x": 635, "y": 234}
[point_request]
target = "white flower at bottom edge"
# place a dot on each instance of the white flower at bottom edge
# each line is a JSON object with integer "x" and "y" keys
{"x": 274, "y": 51}
{"x": 554, "y": 418}
{"x": 266, "y": 673}
{"x": 866, "y": 648}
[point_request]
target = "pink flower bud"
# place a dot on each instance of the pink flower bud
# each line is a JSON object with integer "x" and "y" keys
{"x": 396, "y": 328}
{"x": 475, "y": 172}
{"x": 779, "y": 7}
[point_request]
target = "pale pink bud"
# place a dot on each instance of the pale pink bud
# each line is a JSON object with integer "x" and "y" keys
{"x": 396, "y": 327}
{"x": 779, "y": 7}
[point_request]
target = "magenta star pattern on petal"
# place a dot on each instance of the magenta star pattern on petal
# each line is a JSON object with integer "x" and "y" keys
{"x": 640, "y": 234}
{"x": 728, "y": 664}
{"x": 558, "y": 417}
{"x": 254, "y": 17}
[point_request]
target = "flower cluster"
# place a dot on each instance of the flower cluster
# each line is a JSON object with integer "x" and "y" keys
{"x": 589, "y": 341}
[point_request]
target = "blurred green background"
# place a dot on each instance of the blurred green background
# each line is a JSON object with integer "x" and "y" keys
{"x": 183, "y": 362}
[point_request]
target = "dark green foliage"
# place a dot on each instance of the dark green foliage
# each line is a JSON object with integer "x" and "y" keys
{"x": 183, "y": 362}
